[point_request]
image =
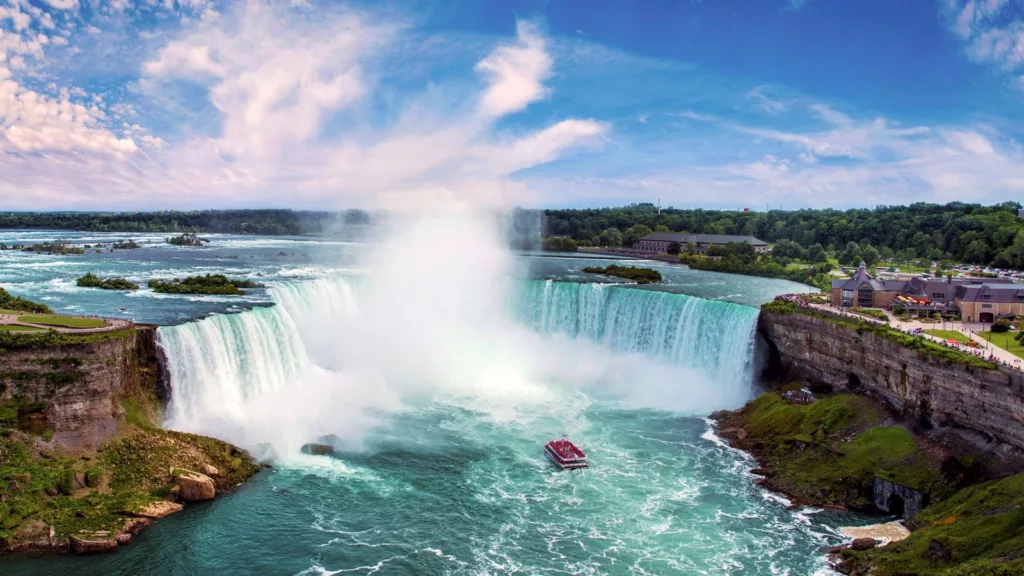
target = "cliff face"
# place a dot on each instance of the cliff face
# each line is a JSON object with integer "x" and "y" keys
{"x": 973, "y": 410}
{"x": 79, "y": 392}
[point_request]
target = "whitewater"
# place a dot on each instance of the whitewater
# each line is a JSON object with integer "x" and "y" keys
{"x": 438, "y": 385}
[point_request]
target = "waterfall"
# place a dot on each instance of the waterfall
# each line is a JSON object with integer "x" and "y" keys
{"x": 716, "y": 337}
{"x": 224, "y": 366}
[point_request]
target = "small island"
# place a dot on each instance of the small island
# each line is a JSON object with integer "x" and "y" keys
{"x": 90, "y": 280}
{"x": 638, "y": 275}
{"x": 125, "y": 245}
{"x": 209, "y": 284}
{"x": 187, "y": 239}
{"x": 59, "y": 247}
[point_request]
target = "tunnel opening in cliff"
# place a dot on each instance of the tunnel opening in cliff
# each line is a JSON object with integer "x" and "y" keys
{"x": 853, "y": 382}
{"x": 767, "y": 358}
{"x": 896, "y": 505}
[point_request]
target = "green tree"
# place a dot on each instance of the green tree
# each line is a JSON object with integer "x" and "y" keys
{"x": 788, "y": 249}
{"x": 976, "y": 252}
{"x": 611, "y": 237}
{"x": 870, "y": 255}
{"x": 633, "y": 235}
{"x": 673, "y": 248}
{"x": 816, "y": 254}
{"x": 851, "y": 255}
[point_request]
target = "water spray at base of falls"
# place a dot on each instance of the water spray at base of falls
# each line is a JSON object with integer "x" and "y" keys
{"x": 447, "y": 323}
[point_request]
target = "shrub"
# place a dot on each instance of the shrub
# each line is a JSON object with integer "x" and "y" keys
{"x": 638, "y": 275}
{"x": 1000, "y": 326}
{"x": 209, "y": 284}
{"x": 90, "y": 280}
{"x": 9, "y": 302}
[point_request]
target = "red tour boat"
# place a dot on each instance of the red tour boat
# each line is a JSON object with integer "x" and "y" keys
{"x": 565, "y": 454}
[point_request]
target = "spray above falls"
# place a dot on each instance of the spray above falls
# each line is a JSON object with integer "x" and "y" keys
{"x": 439, "y": 318}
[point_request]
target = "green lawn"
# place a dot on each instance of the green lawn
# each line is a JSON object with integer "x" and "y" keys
{"x": 1004, "y": 341}
{"x": 65, "y": 321}
{"x": 17, "y": 328}
{"x": 949, "y": 335}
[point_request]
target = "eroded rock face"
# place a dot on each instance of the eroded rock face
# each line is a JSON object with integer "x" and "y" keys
{"x": 195, "y": 487}
{"x": 973, "y": 409}
{"x": 896, "y": 499}
{"x": 75, "y": 390}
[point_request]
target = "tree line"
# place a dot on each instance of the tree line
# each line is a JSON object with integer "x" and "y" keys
{"x": 263, "y": 222}
{"x": 961, "y": 232}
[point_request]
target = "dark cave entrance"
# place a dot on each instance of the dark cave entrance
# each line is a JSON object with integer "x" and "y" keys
{"x": 896, "y": 505}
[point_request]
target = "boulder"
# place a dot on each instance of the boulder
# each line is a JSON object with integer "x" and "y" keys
{"x": 761, "y": 471}
{"x": 836, "y": 549}
{"x": 835, "y": 507}
{"x": 195, "y": 487}
{"x": 92, "y": 544}
{"x": 741, "y": 434}
{"x": 863, "y": 543}
{"x": 210, "y": 470}
{"x": 317, "y": 449}
{"x": 157, "y": 509}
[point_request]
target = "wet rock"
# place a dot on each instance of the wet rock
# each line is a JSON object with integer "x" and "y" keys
{"x": 317, "y": 449}
{"x": 758, "y": 481}
{"x": 157, "y": 509}
{"x": 863, "y": 543}
{"x": 761, "y": 471}
{"x": 836, "y": 549}
{"x": 195, "y": 487}
{"x": 843, "y": 568}
{"x": 718, "y": 414}
{"x": 92, "y": 544}
{"x": 123, "y": 539}
{"x": 835, "y": 507}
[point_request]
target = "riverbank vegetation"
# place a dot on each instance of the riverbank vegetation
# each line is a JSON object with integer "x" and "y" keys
{"x": 979, "y": 532}
{"x": 740, "y": 258}
{"x": 968, "y": 233}
{"x": 638, "y": 275}
{"x": 830, "y": 450}
{"x": 16, "y": 303}
{"x": 90, "y": 280}
{"x": 265, "y": 222}
{"x": 208, "y": 284}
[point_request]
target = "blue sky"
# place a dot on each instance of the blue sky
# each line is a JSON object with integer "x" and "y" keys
{"x": 147, "y": 104}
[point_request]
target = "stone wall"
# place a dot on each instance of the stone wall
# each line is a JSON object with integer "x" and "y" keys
{"x": 77, "y": 392}
{"x": 972, "y": 410}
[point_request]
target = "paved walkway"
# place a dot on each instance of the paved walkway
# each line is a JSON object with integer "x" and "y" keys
{"x": 112, "y": 324}
{"x": 986, "y": 349}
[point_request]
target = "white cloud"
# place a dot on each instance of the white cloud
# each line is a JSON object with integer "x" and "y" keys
{"x": 765, "y": 99}
{"x": 989, "y": 37}
{"x": 516, "y": 73}
{"x": 63, "y": 4}
{"x": 274, "y": 79}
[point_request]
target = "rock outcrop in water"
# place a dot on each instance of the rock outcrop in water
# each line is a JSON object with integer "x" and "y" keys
{"x": 972, "y": 410}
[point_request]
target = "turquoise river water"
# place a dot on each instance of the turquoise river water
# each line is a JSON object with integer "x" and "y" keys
{"x": 438, "y": 417}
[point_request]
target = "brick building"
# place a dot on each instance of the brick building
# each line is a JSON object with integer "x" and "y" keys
{"x": 658, "y": 242}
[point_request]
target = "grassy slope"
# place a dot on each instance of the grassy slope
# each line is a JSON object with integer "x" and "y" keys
{"x": 979, "y": 532}
{"x": 1005, "y": 341}
{"x": 124, "y": 475}
{"x": 829, "y": 451}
